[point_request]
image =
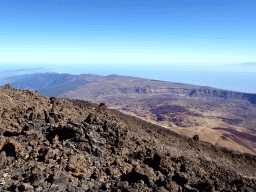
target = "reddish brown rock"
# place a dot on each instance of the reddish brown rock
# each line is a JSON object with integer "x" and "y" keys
{"x": 51, "y": 144}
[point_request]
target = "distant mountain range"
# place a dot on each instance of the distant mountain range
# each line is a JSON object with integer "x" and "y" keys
{"x": 54, "y": 84}
{"x": 49, "y": 84}
{"x": 222, "y": 117}
{"x": 5, "y": 74}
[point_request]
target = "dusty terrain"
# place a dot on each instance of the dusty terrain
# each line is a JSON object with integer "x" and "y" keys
{"x": 51, "y": 144}
{"x": 222, "y": 117}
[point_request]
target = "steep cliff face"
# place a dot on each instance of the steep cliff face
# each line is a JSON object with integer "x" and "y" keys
{"x": 154, "y": 90}
{"x": 51, "y": 144}
{"x": 195, "y": 92}
{"x": 231, "y": 95}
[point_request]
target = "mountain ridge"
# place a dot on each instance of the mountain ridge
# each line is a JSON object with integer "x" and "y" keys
{"x": 204, "y": 91}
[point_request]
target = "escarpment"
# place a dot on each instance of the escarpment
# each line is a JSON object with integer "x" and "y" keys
{"x": 52, "y": 144}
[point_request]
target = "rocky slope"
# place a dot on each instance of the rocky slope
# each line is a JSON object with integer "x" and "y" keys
{"x": 51, "y": 144}
{"x": 222, "y": 117}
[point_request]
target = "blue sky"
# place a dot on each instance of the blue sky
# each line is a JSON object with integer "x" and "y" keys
{"x": 79, "y": 31}
{"x": 193, "y": 35}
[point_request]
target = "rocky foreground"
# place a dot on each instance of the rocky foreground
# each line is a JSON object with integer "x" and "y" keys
{"x": 50, "y": 144}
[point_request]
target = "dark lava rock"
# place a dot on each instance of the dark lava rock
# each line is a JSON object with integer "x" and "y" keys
{"x": 196, "y": 138}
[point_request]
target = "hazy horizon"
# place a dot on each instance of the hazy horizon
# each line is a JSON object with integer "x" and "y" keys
{"x": 241, "y": 77}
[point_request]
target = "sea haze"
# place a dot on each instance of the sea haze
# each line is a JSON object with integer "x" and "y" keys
{"x": 235, "y": 77}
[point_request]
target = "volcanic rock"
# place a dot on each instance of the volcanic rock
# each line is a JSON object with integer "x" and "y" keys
{"x": 52, "y": 144}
